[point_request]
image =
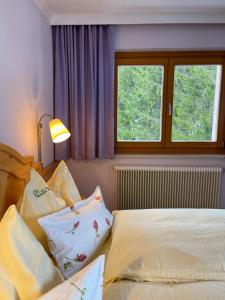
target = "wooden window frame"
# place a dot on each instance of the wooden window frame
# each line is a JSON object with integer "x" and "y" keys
{"x": 169, "y": 60}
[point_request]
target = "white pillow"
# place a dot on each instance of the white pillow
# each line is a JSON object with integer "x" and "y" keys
{"x": 75, "y": 235}
{"x": 63, "y": 185}
{"x": 86, "y": 284}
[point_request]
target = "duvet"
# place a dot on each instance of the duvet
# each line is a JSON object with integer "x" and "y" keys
{"x": 167, "y": 246}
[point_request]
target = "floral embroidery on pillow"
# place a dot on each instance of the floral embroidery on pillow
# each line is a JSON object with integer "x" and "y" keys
{"x": 82, "y": 292}
{"x": 75, "y": 226}
{"x": 73, "y": 209}
{"x": 80, "y": 258}
{"x": 70, "y": 262}
{"x": 108, "y": 222}
{"x": 97, "y": 235}
{"x": 98, "y": 197}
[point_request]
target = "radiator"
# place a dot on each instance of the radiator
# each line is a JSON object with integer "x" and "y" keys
{"x": 140, "y": 187}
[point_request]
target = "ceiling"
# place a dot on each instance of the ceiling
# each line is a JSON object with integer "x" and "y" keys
{"x": 133, "y": 11}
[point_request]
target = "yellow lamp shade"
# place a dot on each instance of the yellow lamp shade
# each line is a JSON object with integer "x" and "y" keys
{"x": 58, "y": 131}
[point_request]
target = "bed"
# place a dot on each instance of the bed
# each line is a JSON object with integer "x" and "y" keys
{"x": 124, "y": 279}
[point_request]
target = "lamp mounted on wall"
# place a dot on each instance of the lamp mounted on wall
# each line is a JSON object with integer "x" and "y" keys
{"x": 58, "y": 130}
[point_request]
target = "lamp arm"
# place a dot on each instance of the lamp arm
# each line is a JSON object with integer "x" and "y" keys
{"x": 39, "y": 127}
{"x": 42, "y": 117}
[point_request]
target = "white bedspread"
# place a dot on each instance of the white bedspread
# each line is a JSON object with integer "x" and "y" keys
{"x": 201, "y": 290}
{"x": 167, "y": 245}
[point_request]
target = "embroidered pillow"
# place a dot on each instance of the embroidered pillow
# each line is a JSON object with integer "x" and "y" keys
{"x": 37, "y": 201}
{"x": 23, "y": 259}
{"x": 86, "y": 284}
{"x": 75, "y": 235}
{"x": 63, "y": 185}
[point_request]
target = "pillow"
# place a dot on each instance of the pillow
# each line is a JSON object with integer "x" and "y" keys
{"x": 86, "y": 284}
{"x": 37, "y": 201}
{"x": 63, "y": 185}
{"x": 75, "y": 235}
{"x": 7, "y": 289}
{"x": 23, "y": 259}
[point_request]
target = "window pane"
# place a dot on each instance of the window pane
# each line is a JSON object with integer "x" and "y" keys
{"x": 196, "y": 103}
{"x": 140, "y": 90}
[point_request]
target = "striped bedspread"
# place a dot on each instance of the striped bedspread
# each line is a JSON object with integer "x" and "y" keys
{"x": 167, "y": 246}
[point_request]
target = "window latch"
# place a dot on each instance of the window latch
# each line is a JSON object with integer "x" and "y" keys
{"x": 170, "y": 109}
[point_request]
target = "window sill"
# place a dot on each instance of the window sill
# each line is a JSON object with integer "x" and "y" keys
{"x": 170, "y": 156}
{"x": 171, "y": 152}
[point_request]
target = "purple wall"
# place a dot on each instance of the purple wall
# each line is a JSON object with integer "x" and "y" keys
{"x": 25, "y": 76}
{"x": 88, "y": 174}
{"x": 180, "y": 37}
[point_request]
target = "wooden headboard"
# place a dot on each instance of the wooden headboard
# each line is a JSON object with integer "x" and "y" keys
{"x": 14, "y": 174}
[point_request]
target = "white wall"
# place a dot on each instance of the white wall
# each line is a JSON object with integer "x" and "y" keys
{"x": 25, "y": 76}
{"x": 88, "y": 174}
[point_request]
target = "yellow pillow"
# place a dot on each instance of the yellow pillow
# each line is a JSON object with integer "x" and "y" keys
{"x": 38, "y": 201}
{"x": 63, "y": 185}
{"x": 7, "y": 290}
{"x": 24, "y": 260}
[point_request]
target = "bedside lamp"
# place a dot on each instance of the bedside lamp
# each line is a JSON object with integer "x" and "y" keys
{"x": 58, "y": 130}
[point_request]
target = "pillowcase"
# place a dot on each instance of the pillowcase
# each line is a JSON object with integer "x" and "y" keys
{"x": 37, "y": 201}
{"x": 86, "y": 284}
{"x": 75, "y": 235}
{"x": 23, "y": 259}
{"x": 7, "y": 289}
{"x": 63, "y": 185}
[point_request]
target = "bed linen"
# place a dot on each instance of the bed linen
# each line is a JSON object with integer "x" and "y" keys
{"x": 167, "y": 245}
{"x": 37, "y": 201}
{"x": 23, "y": 259}
{"x": 7, "y": 289}
{"x": 76, "y": 235}
{"x": 86, "y": 284}
{"x": 128, "y": 290}
{"x": 63, "y": 185}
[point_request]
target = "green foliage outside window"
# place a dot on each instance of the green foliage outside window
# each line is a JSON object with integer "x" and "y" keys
{"x": 139, "y": 102}
{"x": 194, "y": 93}
{"x": 140, "y": 91}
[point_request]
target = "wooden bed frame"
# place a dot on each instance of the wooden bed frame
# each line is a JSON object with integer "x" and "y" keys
{"x": 14, "y": 174}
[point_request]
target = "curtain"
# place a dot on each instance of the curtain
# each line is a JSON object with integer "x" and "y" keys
{"x": 83, "y": 90}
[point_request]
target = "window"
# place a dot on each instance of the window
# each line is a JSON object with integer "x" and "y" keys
{"x": 196, "y": 97}
{"x": 170, "y": 102}
{"x": 140, "y": 90}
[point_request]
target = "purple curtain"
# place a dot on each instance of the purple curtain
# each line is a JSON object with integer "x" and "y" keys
{"x": 83, "y": 90}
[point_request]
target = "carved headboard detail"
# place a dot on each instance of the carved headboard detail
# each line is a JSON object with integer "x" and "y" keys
{"x": 14, "y": 174}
